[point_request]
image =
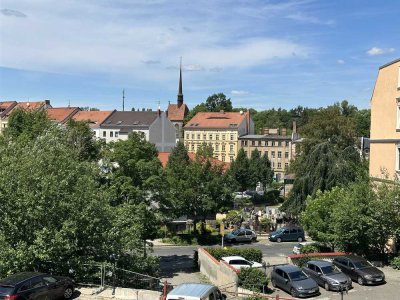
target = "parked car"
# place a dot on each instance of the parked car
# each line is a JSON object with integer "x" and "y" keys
{"x": 240, "y": 195}
{"x": 297, "y": 248}
{"x": 359, "y": 269}
{"x": 239, "y": 262}
{"x": 195, "y": 291}
{"x": 327, "y": 275}
{"x": 33, "y": 285}
{"x": 287, "y": 234}
{"x": 240, "y": 235}
{"x": 294, "y": 281}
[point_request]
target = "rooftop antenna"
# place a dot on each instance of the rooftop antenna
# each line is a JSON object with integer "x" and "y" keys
{"x": 123, "y": 99}
{"x": 69, "y": 103}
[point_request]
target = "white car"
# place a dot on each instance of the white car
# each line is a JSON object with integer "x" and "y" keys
{"x": 297, "y": 248}
{"x": 239, "y": 262}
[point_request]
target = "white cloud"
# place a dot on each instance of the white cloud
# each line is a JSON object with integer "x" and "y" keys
{"x": 340, "y": 61}
{"x": 303, "y": 18}
{"x": 12, "y": 13}
{"x": 379, "y": 51}
{"x": 239, "y": 93}
{"x": 192, "y": 68}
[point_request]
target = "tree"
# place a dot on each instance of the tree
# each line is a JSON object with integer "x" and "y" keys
{"x": 260, "y": 170}
{"x": 217, "y": 102}
{"x": 240, "y": 170}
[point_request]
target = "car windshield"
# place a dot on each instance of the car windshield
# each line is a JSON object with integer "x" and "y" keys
{"x": 297, "y": 275}
{"x": 280, "y": 230}
{"x": 362, "y": 264}
{"x": 236, "y": 232}
{"x": 6, "y": 290}
{"x": 329, "y": 270}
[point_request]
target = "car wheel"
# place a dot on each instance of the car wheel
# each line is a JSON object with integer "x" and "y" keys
{"x": 293, "y": 292}
{"x": 279, "y": 240}
{"x": 273, "y": 283}
{"x": 254, "y": 239}
{"x": 69, "y": 291}
{"x": 233, "y": 241}
{"x": 360, "y": 281}
{"x": 300, "y": 239}
{"x": 326, "y": 286}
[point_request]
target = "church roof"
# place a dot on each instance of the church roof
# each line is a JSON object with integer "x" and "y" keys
{"x": 177, "y": 112}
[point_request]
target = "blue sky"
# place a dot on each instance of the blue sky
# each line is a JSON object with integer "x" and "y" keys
{"x": 261, "y": 54}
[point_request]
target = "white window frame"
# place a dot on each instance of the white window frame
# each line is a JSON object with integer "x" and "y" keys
{"x": 398, "y": 114}
{"x": 397, "y": 167}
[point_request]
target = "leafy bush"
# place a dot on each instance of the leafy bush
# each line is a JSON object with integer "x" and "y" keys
{"x": 309, "y": 249}
{"x": 193, "y": 239}
{"x": 252, "y": 279}
{"x": 395, "y": 263}
{"x": 248, "y": 253}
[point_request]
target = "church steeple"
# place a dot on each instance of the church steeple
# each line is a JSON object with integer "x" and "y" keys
{"x": 180, "y": 94}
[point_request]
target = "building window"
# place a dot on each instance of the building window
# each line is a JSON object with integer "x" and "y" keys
{"x": 216, "y": 156}
{"x": 273, "y": 154}
{"x": 287, "y": 143}
{"x": 210, "y": 136}
{"x": 286, "y": 165}
{"x": 245, "y": 152}
{"x": 245, "y": 143}
{"x": 192, "y": 147}
{"x": 187, "y": 136}
{"x": 204, "y": 136}
{"x": 223, "y": 147}
{"x": 398, "y": 158}
{"x": 259, "y": 143}
{"x": 223, "y": 157}
{"x": 198, "y": 136}
{"x": 231, "y": 148}
{"x": 266, "y": 153}
{"x": 398, "y": 113}
{"x": 286, "y": 154}
{"x": 111, "y": 133}
{"x": 216, "y": 147}
{"x": 279, "y": 154}
{"x": 253, "y": 143}
{"x": 273, "y": 165}
{"x": 223, "y": 137}
{"x": 272, "y": 143}
{"x": 231, "y": 158}
{"x": 279, "y": 144}
{"x": 192, "y": 136}
{"x": 231, "y": 137}
{"x": 279, "y": 165}
{"x": 217, "y": 137}
{"x": 116, "y": 134}
{"x": 104, "y": 134}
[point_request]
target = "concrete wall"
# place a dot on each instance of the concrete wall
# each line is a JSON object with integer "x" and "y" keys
{"x": 218, "y": 272}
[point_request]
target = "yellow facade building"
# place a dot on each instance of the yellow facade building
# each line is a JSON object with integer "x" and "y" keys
{"x": 385, "y": 123}
{"x": 221, "y": 130}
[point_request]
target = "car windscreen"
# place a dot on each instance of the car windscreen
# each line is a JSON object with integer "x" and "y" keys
{"x": 362, "y": 264}
{"x": 240, "y": 262}
{"x": 6, "y": 290}
{"x": 329, "y": 270}
{"x": 236, "y": 232}
{"x": 297, "y": 275}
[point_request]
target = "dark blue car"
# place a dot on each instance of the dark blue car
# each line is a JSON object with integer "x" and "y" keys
{"x": 287, "y": 234}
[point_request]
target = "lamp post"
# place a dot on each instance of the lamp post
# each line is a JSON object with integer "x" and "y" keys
{"x": 114, "y": 257}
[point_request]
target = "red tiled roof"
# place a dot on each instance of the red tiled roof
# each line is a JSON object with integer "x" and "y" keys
{"x": 29, "y": 105}
{"x": 177, "y": 112}
{"x": 6, "y": 106}
{"x": 61, "y": 114}
{"x": 217, "y": 120}
{"x": 95, "y": 117}
{"x": 164, "y": 156}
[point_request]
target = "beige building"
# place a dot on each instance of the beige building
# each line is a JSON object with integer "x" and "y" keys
{"x": 221, "y": 130}
{"x": 385, "y": 123}
{"x": 276, "y": 144}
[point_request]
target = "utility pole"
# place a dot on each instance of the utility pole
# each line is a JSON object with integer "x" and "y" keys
{"x": 123, "y": 99}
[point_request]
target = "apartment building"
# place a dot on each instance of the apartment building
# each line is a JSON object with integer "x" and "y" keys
{"x": 93, "y": 118}
{"x": 275, "y": 143}
{"x": 221, "y": 130}
{"x": 384, "y": 160}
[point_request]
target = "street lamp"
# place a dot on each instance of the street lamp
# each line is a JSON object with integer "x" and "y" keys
{"x": 114, "y": 258}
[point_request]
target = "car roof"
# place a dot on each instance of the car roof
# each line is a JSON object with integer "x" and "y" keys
{"x": 191, "y": 289}
{"x": 233, "y": 257}
{"x": 288, "y": 268}
{"x": 353, "y": 257}
{"x": 19, "y": 277}
{"x": 320, "y": 263}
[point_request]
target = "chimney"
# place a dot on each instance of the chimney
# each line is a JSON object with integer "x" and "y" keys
{"x": 47, "y": 102}
{"x": 222, "y": 111}
{"x": 294, "y": 127}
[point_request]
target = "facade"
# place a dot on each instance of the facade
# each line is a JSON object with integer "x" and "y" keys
{"x": 178, "y": 112}
{"x": 6, "y": 109}
{"x": 221, "y": 130}
{"x": 155, "y": 126}
{"x": 61, "y": 115}
{"x": 385, "y": 123}
{"x": 94, "y": 119}
{"x": 276, "y": 145}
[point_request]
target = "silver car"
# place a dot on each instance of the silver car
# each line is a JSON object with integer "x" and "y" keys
{"x": 327, "y": 275}
{"x": 240, "y": 235}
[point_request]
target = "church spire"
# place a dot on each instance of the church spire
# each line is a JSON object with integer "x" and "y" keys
{"x": 180, "y": 94}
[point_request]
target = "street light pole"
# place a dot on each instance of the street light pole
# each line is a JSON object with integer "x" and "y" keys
{"x": 114, "y": 258}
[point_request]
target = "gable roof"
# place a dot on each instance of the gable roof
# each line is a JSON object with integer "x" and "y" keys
{"x": 224, "y": 120}
{"x": 6, "y": 106}
{"x": 29, "y": 106}
{"x": 177, "y": 112}
{"x": 128, "y": 120}
{"x": 94, "y": 118}
{"x": 61, "y": 114}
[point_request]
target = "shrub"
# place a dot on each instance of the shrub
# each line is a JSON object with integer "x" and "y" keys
{"x": 248, "y": 253}
{"x": 395, "y": 263}
{"x": 252, "y": 279}
{"x": 309, "y": 249}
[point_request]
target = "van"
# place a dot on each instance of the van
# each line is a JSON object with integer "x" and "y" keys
{"x": 195, "y": 291}
{"x": 287, "y": 234}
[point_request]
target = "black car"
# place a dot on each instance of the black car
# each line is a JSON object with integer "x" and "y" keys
{"x": 35, "y": 286}
{"x": 359, "y": 269}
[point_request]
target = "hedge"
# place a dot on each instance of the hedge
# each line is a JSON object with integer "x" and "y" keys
{"x": 248, "y": 253}
{"x": 252, "y": 279}
{"x": 395, "y": 263}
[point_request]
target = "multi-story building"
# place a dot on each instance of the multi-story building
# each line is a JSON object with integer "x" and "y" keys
{"x": 178, "y": 112}
{"x": 155, "y": 126}
{"x": 384, "y": 162}
{"x": 6, "y": 109}
{"x": 221, "y": 130}
{"x": 94, "y": 119}
{"x": 274, "y": 143}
